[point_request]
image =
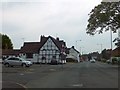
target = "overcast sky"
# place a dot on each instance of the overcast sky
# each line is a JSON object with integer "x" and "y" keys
{"x": 66, "y": 19}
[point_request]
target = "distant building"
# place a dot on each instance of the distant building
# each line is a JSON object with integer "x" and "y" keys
{"x": 73, "y": 54}
{"x": 10, "y": 52}
{"x": 93, "y": 55}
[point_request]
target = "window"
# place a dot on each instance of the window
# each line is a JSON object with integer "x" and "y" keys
{"x": 43, "y": 58}
{"x": 16, "y": 58}
{"x": 11, "y": 59}
{"x": 29, "y": 55}
{"x": 54, "y": 57}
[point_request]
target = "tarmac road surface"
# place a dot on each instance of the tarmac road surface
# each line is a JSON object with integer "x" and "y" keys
{"x": 70, "y": 75}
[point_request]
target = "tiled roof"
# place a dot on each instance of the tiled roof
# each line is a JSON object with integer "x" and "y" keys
{"x": 33, "y": 47}
{"x": 10, "y": 52}
{"x": 116, "y": 52}
{"x": 30, "y": 47}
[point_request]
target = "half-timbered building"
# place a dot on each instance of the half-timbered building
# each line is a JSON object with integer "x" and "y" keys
{"x": 44, "y": 51}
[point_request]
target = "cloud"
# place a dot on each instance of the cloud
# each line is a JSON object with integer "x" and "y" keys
{"x": 64, "y": 18}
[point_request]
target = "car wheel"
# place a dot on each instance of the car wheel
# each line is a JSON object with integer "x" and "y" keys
{"x": 23, "y": 65}
{"x": 7, "y": 65}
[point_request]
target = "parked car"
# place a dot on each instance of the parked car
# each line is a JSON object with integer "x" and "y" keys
{"x": 16, "y": 61}
{"x": 54, "y": 62}
{"x": 92, "y": 60}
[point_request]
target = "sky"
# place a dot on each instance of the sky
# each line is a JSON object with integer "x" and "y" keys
{"x": 27, "y": 20}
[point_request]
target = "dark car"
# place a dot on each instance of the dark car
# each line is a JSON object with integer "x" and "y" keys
{"x": 54, "y": 62}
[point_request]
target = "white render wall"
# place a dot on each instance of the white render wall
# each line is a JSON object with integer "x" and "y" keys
{"x": 22, "y": 55}
{"x": 35, "y": 58}
{"x": 73, "y": 54}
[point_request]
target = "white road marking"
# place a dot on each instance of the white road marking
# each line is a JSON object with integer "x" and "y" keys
{"x": 52, "y": 70}
{"x": 77, "y": 85}
{"x": 21, "y": 74}
{"x": 15, "y": 83}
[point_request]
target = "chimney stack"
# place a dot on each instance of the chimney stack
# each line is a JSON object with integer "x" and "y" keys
{"x": 41, "y": 38}
{"x": 57, "y": 38}
{"x": 73, "y": 47}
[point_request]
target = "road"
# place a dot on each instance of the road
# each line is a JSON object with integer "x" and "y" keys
{"x": 70, "y": 75}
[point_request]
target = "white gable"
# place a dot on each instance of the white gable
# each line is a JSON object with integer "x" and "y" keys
{"x": 73, "y": 54}
{"x": 49, "y": 45}
{"x": 73, "y": 51}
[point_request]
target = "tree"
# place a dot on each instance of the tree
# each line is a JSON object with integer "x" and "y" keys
{"x": 6, "y": 42}
{"x": 106, "y": 54}
{"x": 104, "y": 17}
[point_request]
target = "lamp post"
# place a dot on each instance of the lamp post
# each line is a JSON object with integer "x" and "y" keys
{"x": 111, "y": 38}
{"x": 81, "y": 50}
{"x": 111, "y": 45}
{"x": 101, "y": 51}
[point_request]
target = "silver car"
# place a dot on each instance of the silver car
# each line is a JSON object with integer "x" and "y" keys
{"x": 92, "y": 60}
{"x": 16, "y": 61}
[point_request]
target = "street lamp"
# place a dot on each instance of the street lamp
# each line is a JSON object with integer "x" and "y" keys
{"x": 111, "y": 45}
{"x": 111, "y": 38}
{"x": 81, "y": 50}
